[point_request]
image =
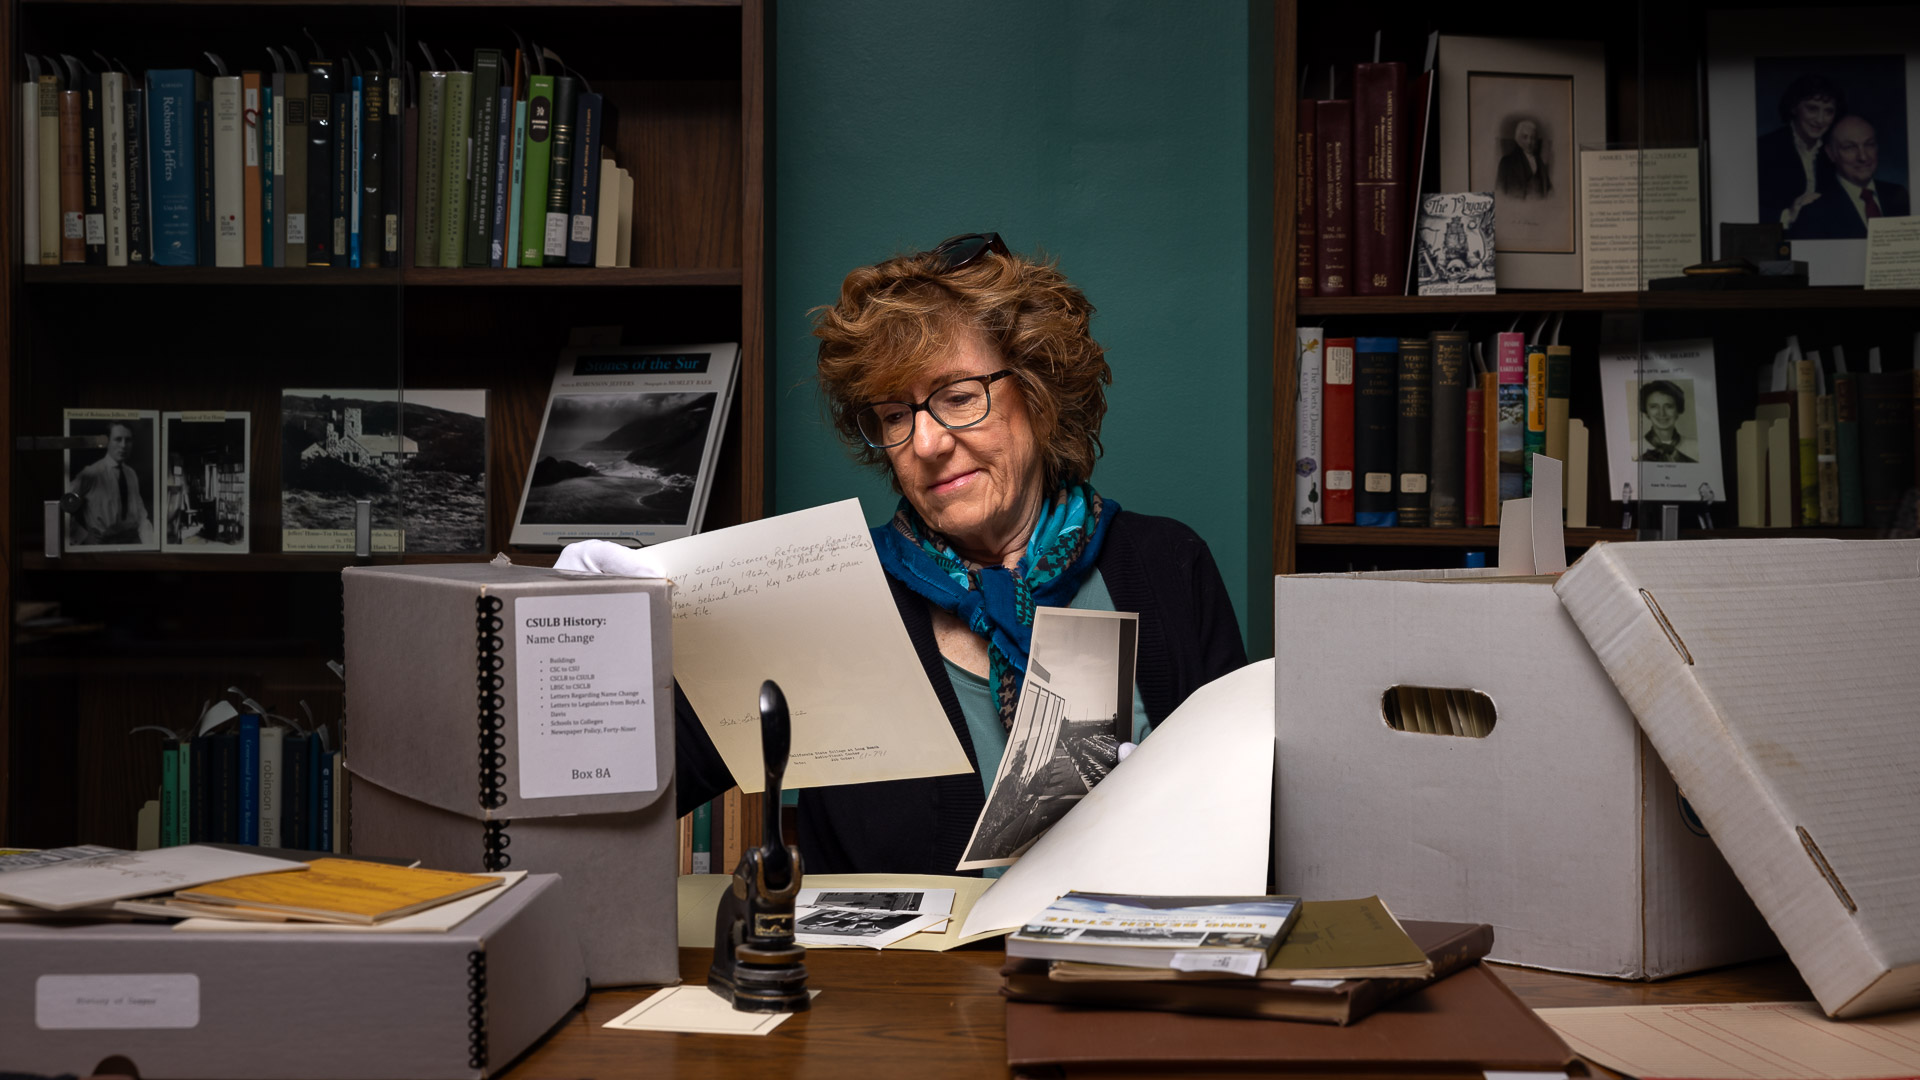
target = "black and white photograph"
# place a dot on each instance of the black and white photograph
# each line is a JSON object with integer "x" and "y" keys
{"x": 208, "y": 463}
{"x": 421, "y": 463}
{"x": 1075, "y": 709}
{"x": 618, "y": 459}
{"x": 1454, "y": 251}
{"x": 110, "y": 494}
{"x": 627, "y": 447}
{"x": 1514, "y": 115}
{"x": 858, "y": 927}
{"x": 1812, "y": 131}
{"x": 925, "y": 901}
{"x": 1518, "y": 127}
{"x": 1663, "y": 427}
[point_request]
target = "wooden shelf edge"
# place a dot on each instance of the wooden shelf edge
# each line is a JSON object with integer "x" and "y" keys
{"x": 1828, "y": 297}
{"x": 304, "y": 276}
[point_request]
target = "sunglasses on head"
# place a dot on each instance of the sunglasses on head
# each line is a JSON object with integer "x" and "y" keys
{"x": 966, "y": 249}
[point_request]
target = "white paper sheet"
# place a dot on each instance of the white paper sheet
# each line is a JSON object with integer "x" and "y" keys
{"x": 585, "y": 694}
{"x": 696, "y": 1010}
{"x": 1776, "y": 1040}
{"x": 85, "y": 882}
{"x": 800, "y": 599}
{"x": 1188, "y": 812}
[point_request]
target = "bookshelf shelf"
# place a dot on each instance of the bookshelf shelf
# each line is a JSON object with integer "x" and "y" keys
{"x": 1817, "y": 299}
{"x": 1489, "y": 538}
{"x": 572, "y": 277}
{"x": 304, "y": 277}
{"x": 263, "y": 562}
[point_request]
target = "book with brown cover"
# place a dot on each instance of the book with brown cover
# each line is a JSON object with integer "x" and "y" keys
{"x": 1451, "y": 947}
{"x": 1305, "y": 200}
{"x": 1886, "y": 443}
{"x": 1447, "y": 456}
{"x": 1333, "y": 240}
{"x": 1414, "y": 408}
{"x": 1461, "y": 1025}
{"x": 1379, "y": 179}
{"x": 73, "y": 186}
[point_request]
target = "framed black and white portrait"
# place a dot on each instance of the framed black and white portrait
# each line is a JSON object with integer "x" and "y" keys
{"x": 110, "y": 494}
{"x": 1514, "y": 115}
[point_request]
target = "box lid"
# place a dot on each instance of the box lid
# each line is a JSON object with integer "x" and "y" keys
{"x": 1777, "y": 679}
{"x": 442, "y": 661}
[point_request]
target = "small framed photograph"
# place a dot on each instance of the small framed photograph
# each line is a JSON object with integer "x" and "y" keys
{"x": 1811, "y": 118}
{"x": 110, "y": 494}
{"x": 206, "y": 482}
{"x": 1513, "y": 117}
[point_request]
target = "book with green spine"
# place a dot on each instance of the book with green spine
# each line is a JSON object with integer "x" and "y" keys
{"x": 539, "y": 153}
{"x": 455, "y": 161}
{"x": 1846, "y": 407}
{"x": 426, "y": 205}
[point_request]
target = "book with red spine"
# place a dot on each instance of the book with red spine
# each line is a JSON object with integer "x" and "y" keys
{"x": 1336, "y": 432}
{"x": 1379, "y": 166}
{"x": 1333, "y": 238}
{"x": 1511, "y": 355}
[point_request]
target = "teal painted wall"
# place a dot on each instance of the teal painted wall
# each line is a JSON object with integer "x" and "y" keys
{"x": 1114, "y": 136}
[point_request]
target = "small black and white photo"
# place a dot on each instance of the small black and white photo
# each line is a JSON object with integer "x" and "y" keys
{"x": 1075, "y": 709}
{"x": 867, "y": 900}
{"x": 618, "y": 459}
{"x": 1662, "y": 422}
{"x": 1520, "y": 130}
{"x": 844, "y": 923}
{"x": 206, "y": 508}
{"x": 1454, "y": 247}
{"x": 110, "y": 493}
{"x": 418, "y": 456}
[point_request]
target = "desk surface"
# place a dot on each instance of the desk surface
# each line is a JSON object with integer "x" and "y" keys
{"x": 925, "y": 1016}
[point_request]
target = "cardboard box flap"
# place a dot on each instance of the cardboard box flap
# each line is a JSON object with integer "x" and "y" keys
{"x": 435, "y": 703}
{"x": 1777, "y": 679}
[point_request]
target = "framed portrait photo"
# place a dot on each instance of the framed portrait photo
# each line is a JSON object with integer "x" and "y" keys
{"x": 1513, "y": 117}
{"x": 110, "y": 492}
{"x": 1811, "y": 117}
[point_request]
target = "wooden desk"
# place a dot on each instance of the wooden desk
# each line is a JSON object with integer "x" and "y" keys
{"x": 927, "y": 1016}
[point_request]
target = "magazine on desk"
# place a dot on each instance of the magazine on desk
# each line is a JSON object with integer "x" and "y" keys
{"x": 628, "y": 445}
{"x": 1231, "y": 934}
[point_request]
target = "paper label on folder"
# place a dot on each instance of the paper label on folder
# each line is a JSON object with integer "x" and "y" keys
{"x": 585, "y": 694}
{"x": 116, "y": 1002}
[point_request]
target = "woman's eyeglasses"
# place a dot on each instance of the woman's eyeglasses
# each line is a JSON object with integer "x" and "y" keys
{"x": 959, "y": 404}
{"x": 956, "y": 252}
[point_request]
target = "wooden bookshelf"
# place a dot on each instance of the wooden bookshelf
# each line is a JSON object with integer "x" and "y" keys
{"x": 160, "y": 633}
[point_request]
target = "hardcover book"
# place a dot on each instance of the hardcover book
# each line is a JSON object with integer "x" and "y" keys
{"x": 1333, "y": 246}
{"x": 1305, "y": 191}
{"x": 1448, "y": 460}
{"x": 1235, "y": 934}
{"x": 627, "y": 448}
{"x": 109, "y": 495}
{"x": 565, "y": 144}
{"x": 1414, "y": 442}
{"x": 1453, "y": 252}
{"x": 139, "y": 209}
{"x": 1380, "y": 179}
{"x": 484, "y": 135}
{"x": 170, "y": 142}
{"x": 583, "y": 196}
{"x": 431, "y": 163}
{"x": 534, "y": 169}
{"x": 1336, "y": 426}
{"x": 1307, "y": 464}
{"x": 342, "y": 890}
{"x": 322, "y": 85}
{"x": 208, "y": 466}
{"x": 1376, "y": 427}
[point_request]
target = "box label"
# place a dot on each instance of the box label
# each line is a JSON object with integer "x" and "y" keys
{"x": 120, "y": 1002}
{"x": 583, "y": 673}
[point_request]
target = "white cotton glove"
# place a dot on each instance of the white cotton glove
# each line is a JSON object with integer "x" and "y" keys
{"x": 1125, "y": 749}
{"x": 606, "y": 557}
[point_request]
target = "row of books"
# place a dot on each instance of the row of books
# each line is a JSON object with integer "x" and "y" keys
{"x": 1355, "y": 193}
{"x": 295, "y": 167}
{"x": 1423, "y": 431}
{"x": 264, "y": 782}
{"x": 717, "y": 833}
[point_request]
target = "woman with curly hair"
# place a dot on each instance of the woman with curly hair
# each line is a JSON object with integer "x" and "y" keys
{"x": 968, "y": 375}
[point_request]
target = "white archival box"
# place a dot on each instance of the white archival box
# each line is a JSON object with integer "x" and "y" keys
{"x": 1561, "y": 827}
{"x": 1778, "y": 678}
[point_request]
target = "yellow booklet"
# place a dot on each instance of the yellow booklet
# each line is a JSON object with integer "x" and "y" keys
{"x": 342, "y": 890}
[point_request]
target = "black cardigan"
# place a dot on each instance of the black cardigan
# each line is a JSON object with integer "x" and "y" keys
{"x": 1188, "y": 637}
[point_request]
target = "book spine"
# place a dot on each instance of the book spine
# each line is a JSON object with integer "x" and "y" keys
{"x": 1886, "y": 444}
{"x": 393, "y": 133}
{"x": 203, "y": 166}
{"x": 27, "y": 117}
{"x": 73, "y": 183}
{"x": 346, "y": 166}
{"x": 373, "y": 169}
{"x": 47, "y": 114}
{"x": 1306, "y": 202}
{"x": 277, "y": 169}
{"x": 1474, "y": 499}
{"x": 169, "y": 794}
{"x": 113, "y": 145}
{"x": 1333, "y": 240}
{"x": 223, "y": 792}
{"x": 269, "y": 153}
{"x": 1308, "y": 480}
{"x": 430, "y": 152}
{"x": 247, "y": 793}
{"x": 229, "y": 174}
{"x": 93, "y": 190}
{"x": 1336, "y": 427}
{"x": 253, "y": 151}
{"x": 606, "y": 241}
{"x": 485, "y": 130}
{"x": 1807, "y": 425}
{"x": 295, "y": 179}
{"x": 199, "y": 789}
{"x": 456, "y": 168}
{"x": 139, "y": 200}
{"x": 566, "y": 91}
{"x": 1846, "y": 407}
{"x": 323, "y": 838}
{"x": 703, "y": 838}
{"x": 1559, "y": 400}
{"x": 1414, "y": 408}
{"x": 1376, "y": 381}
{"x": 183, "y": 804}
{"x": 170, "y": 101}
{"x": 1447, "y": 451}
{"x": 272, "y": 784}
{"x": 1379, "y": 179}
{"x": 293, "y": 801}
{"x": 533, "y": 196}
{"x": 510, "y": 256}
{"x": 623, "y": 241}
{"x": 1827, "y": 453}
{"x": 584, "y": 190}
{"x": 1536, "y": 441}
{"x": 1490, "y": 450}
{"x": 502, "y": 177}
{"x": 319, "y": 222}
{"x": 1370, "y": 994}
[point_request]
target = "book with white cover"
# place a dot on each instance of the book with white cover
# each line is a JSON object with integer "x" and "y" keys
{"x": 229, "y": 170}
{"x": 113, "y": 137}
{"x": 628, "y": 444}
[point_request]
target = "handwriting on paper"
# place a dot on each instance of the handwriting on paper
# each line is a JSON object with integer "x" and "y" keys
{"x": 708, "y": 585}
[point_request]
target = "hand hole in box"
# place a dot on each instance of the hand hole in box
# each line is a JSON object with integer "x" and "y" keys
{"x": 1433, "y": 710}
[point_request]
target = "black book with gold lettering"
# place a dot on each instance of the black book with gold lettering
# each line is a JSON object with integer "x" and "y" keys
{"x": 1414, "y": 408}
{"x": 321, "y": 88}
{"x": 566, "y": 100}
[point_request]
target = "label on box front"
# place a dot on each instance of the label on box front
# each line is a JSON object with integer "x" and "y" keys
{"x": 121, "y": 1002}
{"x": 584, "y": 676}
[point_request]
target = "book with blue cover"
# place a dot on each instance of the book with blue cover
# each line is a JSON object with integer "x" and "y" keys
{"x": 170, "y": 149}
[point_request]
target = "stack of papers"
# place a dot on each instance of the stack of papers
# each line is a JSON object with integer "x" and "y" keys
{"x": 920, "y": 912}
